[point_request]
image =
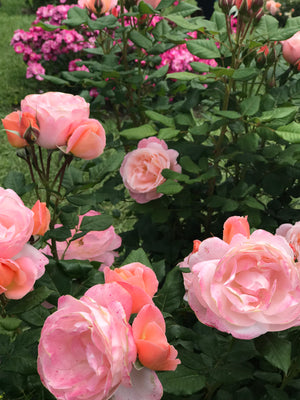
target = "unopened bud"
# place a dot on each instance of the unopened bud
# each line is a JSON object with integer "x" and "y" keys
{"x": 226, "y": 5}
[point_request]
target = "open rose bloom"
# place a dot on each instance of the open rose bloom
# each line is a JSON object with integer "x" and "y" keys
{"x": 20, "y": 263}
{"x": 87, "y": 349}
{"x": 246, "y": 287}
{"x": 141, "y": 168}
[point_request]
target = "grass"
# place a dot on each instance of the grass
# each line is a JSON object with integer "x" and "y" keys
{"x": 13, "y": 83}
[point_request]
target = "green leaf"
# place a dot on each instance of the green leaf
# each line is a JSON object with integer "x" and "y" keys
{"x": 141, "y": 132}
{"x": 267, "y": 28}
{"x": 36, "y": 316}
{"x": 76, "y": 16}
{"x": 182, "y": 382}
{"x": 250, "y": 106}
{"x": 15, "y": 181}
{"x": 138, "y": 255}
{"x": 159, "y": 73}
{"x": 76, "y": 268}
{"x": 279, "y": 113}
{"x": 50, "y": 27}
{"x": 189, "y": 165}
{"x": 28, "y": 302}
{"x": 185, "y": 9}
{"x": 245, "y": 74}
{"x": 185, "y": 23}
{"x": 9, "y": 323}
{"x": 183, "y": 76}
{"x": 168, "y": 133}
{"x": 140, "y": 40}
{"x": 60, "y": 234}
{"x": 276, "y": 350}
{"x": 200, "y": 66}
{"x": 72, "y": 177}
{"x": 169, "y": 174}
{"x": 170, "y": 296}
{"x": 155, "y": 116}
{"x": 290, "y": 133}
{"x": 55, "y": 80}
{"x": 228, "y": 114}
{"x": 202, "y": 48}
{"x": 253, "y": 203}
{"x": 96, "y": 223}
{"x": 169, "y": 187}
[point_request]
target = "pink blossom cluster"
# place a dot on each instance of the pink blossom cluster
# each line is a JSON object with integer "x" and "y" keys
{"x": 39, "y": 46}
{"x": 179, "y": 58}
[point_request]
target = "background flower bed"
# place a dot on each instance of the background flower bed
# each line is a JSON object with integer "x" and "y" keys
{"x": 216, "y": 184}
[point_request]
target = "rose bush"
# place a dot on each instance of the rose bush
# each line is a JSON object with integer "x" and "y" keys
{"x": 141, "y": 168}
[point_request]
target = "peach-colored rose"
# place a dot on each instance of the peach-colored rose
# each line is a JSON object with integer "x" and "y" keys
{"x": 86, "y": 139}
{"x": 94, "y": 246}
{"x": 248, "y": 287}
{"x": 141, "y": 168}
{"x": 98, "y": 6}
{"x": 18, "y": 275}
{"x": 86, "y": 349}
{"x": 234, "y": 225}
{"x": 291, "y": 49}
{"x": 140, "y": 281}
{"x": 55, "y": 112}
{"x": 41, "y": 218}
{"x": 16, "y": 223}
{"x": 292, "y": 234}
{"x": 16, "y": 125}
{"x": 273, "y": 7}
{"x": 153, "y": 349}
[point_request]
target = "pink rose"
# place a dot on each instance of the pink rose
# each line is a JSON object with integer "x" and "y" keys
{"x": 55, "y": 112}
{"x": 246, "y": 288}
{"x": 18, "y": 275}
{"x": 94, "y": 246}
{"x": 86, "y": 349}
{"x": 141, "y": 168}
{"x": 292, "y": 234}
{"x": 41, "y": 218}
{"x": 140, "y": 281}
{"x": 291, "y": 49}
{"x": 86, "y": 139}
{"x": 153, "y": 349}
{"x": 16, "y": 223}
